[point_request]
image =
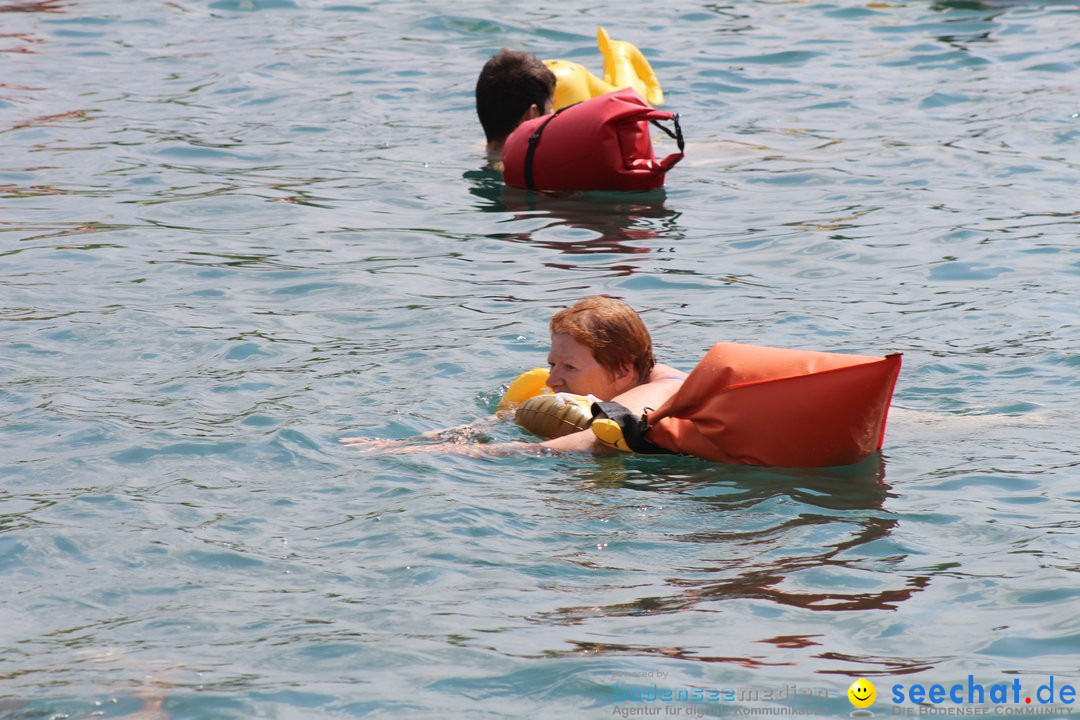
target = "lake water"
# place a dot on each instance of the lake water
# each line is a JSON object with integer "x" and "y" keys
{"x": 232, "y": 232}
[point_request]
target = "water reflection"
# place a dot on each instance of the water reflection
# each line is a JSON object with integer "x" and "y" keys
{"x": 975, "y": 5}
{"x": 51, "y": 6}
{"x": 576, "y": 223}
{"x": 674, "y": 652}
{"x": 979, "y": 18}
{"x": 784, "y": 536}
{"x": 14, "y": 41}
{"x": 850, "y": 487}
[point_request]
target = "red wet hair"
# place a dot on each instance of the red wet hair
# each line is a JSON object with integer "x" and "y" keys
{"x": 613, "y": 332}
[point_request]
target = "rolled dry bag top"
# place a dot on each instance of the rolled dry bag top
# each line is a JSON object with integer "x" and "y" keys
{"x": 598, "y": 144}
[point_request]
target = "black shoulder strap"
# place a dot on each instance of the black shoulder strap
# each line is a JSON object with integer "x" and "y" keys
{"x": 675, "y": 135}
{"x": 534, "y": 140}
{"x": 633, "y": 426}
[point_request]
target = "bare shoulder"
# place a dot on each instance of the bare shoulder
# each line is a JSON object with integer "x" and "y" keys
{"x": 663, "y": 382}
{"x": 666, "y": 372}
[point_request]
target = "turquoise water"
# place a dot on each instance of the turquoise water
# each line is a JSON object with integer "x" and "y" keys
{"x": 235, "y": 231}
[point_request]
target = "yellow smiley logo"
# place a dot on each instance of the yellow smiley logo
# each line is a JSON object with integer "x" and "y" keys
{"x": 862, "y": 693}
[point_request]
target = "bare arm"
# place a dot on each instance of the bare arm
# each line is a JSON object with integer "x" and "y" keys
{"x": 647, "y": 395}
{"x": 469, "y": 449}
{"x": 456, "y": 434}
{"x": 652, "y": 394}
{"x": 579, "y": 442}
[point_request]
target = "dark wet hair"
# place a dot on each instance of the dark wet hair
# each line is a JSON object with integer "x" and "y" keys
{"x": 509, "y": 84}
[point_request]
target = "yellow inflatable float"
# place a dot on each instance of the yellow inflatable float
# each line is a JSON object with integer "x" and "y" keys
{"x": 552, "y": 416}
{"x": 543, "y": 412}
{"x": 624, "y": 67}
{"x": 526, "y": 385}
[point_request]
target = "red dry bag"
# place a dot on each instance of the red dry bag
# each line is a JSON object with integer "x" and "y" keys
{"x": 598, "y": 144}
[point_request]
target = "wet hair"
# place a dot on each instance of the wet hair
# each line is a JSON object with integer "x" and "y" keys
{"x": 509, "y": 84}
{"x": 612, "y": 331}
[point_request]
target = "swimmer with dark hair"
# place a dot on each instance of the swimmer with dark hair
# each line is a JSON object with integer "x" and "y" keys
{"x": 513, "y": 87}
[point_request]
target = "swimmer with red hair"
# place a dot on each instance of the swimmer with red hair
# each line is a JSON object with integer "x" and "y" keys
{"x": 599, "y": 347}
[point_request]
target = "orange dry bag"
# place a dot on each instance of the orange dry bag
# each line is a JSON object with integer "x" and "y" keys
{"x": 751, "y": 405}
{"x": 598, "y": 144}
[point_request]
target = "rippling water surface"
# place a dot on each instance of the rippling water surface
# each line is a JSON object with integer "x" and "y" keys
{"x": 233, "y": 231}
